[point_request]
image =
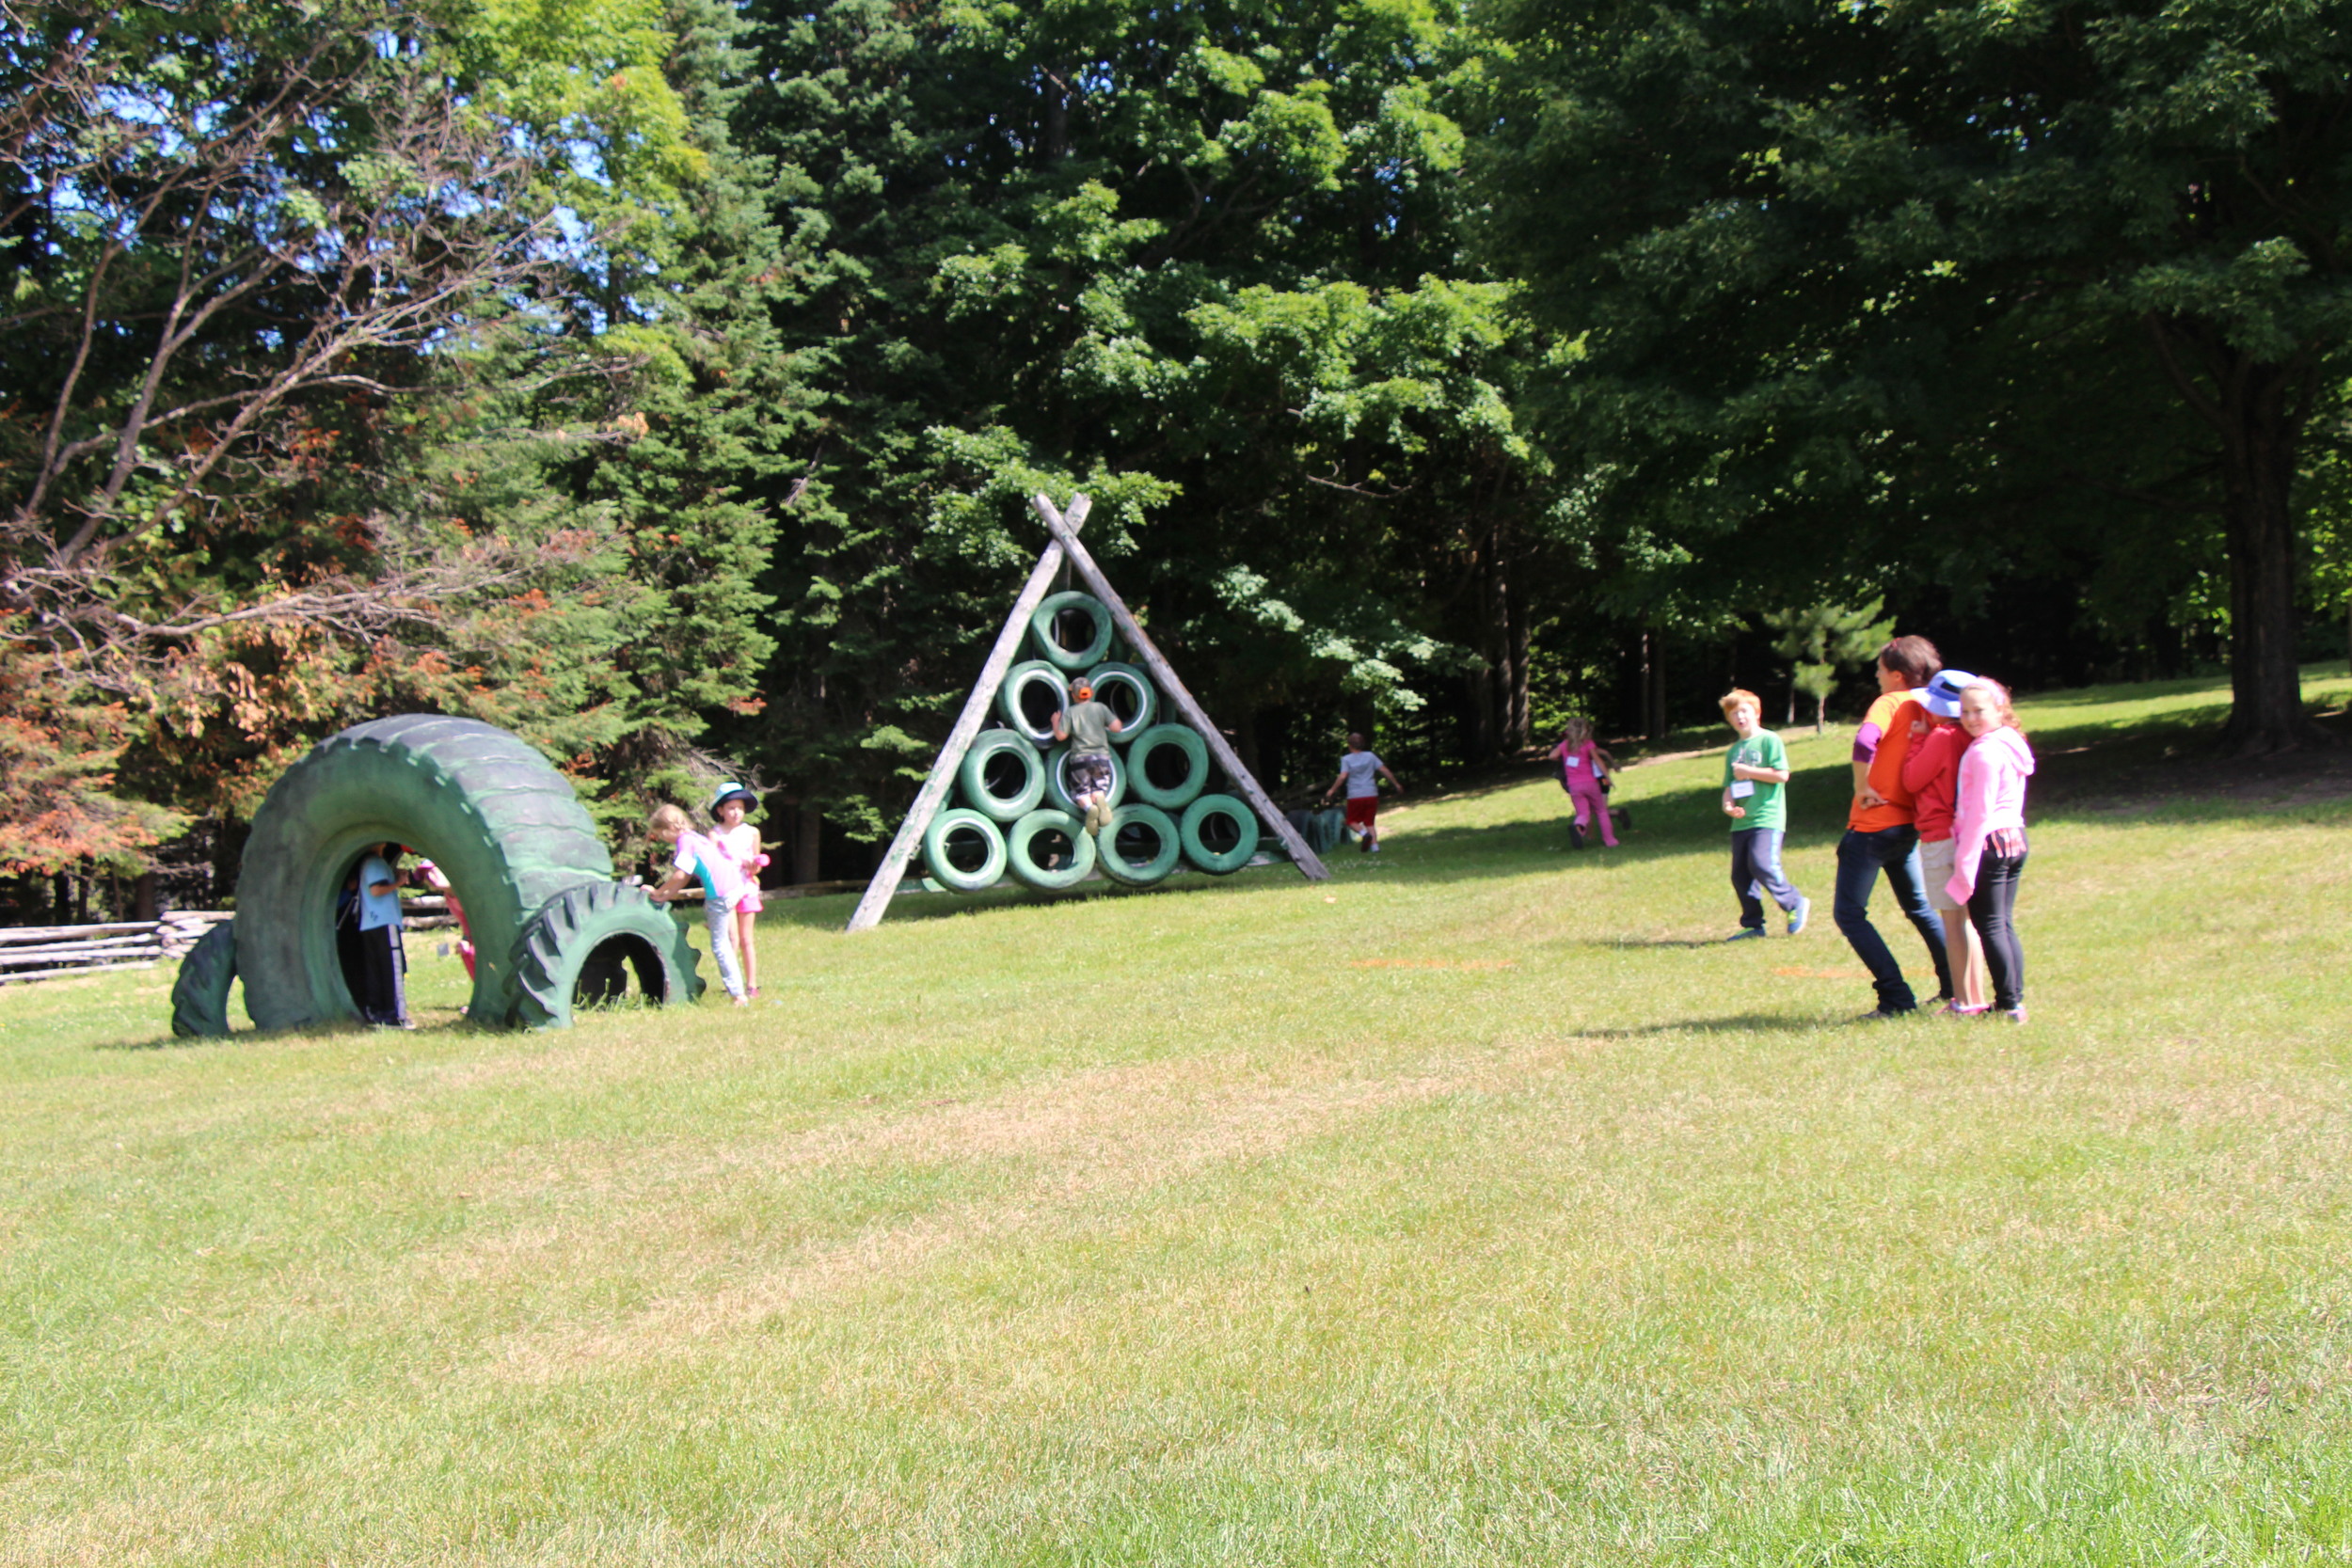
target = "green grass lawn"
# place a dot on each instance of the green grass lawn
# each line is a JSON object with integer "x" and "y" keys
{"x": 1476, "y": 1207}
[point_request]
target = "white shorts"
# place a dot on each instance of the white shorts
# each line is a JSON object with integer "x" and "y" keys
{"x": 1936, "y": 861}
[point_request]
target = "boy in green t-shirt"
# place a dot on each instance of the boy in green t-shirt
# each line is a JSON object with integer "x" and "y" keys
{"x": 1755, "y": 770}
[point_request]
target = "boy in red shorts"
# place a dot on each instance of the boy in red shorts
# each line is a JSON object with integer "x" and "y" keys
{"x": 1362, "y": 772}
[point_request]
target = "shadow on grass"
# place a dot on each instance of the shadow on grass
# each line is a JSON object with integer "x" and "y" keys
{"x": 1746, "y": 1023}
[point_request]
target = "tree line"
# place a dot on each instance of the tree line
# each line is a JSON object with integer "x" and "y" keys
{"x": 664, "y": 379}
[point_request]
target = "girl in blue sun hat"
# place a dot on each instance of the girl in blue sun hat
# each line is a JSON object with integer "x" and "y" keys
{"x": 740, "y": 841}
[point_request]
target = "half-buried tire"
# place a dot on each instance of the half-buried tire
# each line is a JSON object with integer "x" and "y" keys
{"x": 1221, "y": 833}
{"x": 503, "y": 825}
{"x": 199, "y": 997}
{"x": 581, "y": 948}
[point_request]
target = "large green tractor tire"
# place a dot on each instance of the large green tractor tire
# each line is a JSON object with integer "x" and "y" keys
{"x": 1056, "y": 772}
{"x": 580, "y": 948}
{"x": 1012, "y": 705}
{"x": 504, "y": 826}
{"x": 199, "y": 997}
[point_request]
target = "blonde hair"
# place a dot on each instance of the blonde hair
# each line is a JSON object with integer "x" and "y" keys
{"x": 2001, "y": 708}
{"x": 1576, "y": 732}
{"x": 1737, "y": 695}
{"x": 667, "y": 819}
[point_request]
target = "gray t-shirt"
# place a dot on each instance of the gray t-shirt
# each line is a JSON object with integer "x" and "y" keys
{"x": 1089, "y": 724}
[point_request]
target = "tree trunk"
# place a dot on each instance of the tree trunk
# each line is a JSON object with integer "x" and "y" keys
{"x": 1654, "y": 683}
{"x": 1517, "y": 722}
{"x": 809, "y": 824}
{"x": 2265, "y": 685}
{"x": 144, "y": 905}
{"x": 2258, "y": 409}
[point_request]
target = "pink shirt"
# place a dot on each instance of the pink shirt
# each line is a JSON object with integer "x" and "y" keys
{"x": 1990, "y": 796}
{"x": 1580, "y": 766}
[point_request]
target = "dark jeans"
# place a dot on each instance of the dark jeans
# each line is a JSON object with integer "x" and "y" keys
{"x": 1860, "y": 859}
{"x": 1756, "y": 863}
{"x": 386, "y": 998}
{"x": 1989, "y": 909}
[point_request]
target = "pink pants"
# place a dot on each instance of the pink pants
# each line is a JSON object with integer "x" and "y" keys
{"x": 1591, "y": 803}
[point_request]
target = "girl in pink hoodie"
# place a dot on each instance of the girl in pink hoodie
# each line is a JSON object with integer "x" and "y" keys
{"x": 1989, "y": 830}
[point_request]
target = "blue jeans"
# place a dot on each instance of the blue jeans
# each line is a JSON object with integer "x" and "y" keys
{"x": 1756, "y": 863}
{"x": 1860, "y": 859}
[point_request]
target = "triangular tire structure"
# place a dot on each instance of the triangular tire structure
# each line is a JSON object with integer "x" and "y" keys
{"x": 1010, "y": 826}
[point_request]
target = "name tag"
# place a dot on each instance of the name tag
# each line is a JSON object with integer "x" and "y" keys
{"x": 1742, "y": 788}
{"x": 1576, "y": 762}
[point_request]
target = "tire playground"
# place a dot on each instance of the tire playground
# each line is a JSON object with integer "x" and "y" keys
{"x": 1011, "y": 818}
{"x": 551, "y": 928}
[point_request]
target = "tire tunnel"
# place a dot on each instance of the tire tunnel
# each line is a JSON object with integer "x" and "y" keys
{"x": 551, "y": 925}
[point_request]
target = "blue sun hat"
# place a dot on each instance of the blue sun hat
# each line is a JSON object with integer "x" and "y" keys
{"x": 732, "y": 791}
{"x": 1943, "y": 694}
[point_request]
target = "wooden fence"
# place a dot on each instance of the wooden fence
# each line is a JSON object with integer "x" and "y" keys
{"x": 56, "y": 952}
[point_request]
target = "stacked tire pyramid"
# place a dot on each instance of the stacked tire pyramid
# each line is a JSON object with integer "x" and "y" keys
{"x": 1015, "y": 816}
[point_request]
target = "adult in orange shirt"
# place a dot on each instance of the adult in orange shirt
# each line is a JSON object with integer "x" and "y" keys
{"x": 1882, "y": 835}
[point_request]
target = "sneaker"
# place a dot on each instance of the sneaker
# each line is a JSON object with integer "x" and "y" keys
{"x": 1953, "y": 1009}
{"x": 1576, "y": 835}
{"x": 1879, "y": 1015}
{"x": 1363, "y": 844}
{"x": 1798, "y": 916}
{"x": 1744, "y": 932}
{"x": 2014, "y": 1015}
{"x": 1376, "y": 845}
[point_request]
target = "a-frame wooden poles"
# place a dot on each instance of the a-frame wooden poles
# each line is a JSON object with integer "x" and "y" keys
{"x": 1164, "y": 674}
{"x": 942, "y": 776}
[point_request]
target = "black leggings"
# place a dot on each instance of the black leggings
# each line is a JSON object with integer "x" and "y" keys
{"x": 1989, "y": 909}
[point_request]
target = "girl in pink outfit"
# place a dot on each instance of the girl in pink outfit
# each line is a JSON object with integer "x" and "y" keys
{"x": 1582, "y": 768}
{"x": 740, "y": 841}
{"x": 1989, "y": 833}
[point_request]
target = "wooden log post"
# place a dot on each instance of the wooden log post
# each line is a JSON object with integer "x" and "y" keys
{"x": 935, "y": 789}
{"x": 1308, "y": 863}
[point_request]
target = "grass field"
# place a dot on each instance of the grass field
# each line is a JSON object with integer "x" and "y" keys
{"x": 1477, "y": 1207}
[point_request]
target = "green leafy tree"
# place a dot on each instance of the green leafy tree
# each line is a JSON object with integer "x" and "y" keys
{"x": 1953, "y": 290}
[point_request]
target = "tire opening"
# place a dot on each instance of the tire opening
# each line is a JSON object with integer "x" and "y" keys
{"x": 1003, "y": 774}
{"x": 1122, "y": 699}
{"x": 1166, "y": 767}
{"x": 1074, "y": 630}
{"x": 372, "y": 968}
{"x": 1139, "y": 842}
{"x": 1037, "y": 701}
{"x": 1052, "y": 848}
{"x": 605, "y": 975}
{"x": 1219, "y": 833}
{"x": 966, "y": 848}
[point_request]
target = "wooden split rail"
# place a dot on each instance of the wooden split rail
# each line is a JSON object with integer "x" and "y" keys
{"x": 57, "y": 952}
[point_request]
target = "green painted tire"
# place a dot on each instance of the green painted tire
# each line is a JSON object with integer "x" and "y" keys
{"x": 1133, "y": 679}
{"x": 944, "y": 871}
{"x": 1118, "y": 867}
{"x": 1057, "y": 771}
{"x": 1021, "y": 850}
{"x": 574, "y": 952}
{"x": 1018, "y": 679}
{"x": 199, "y": 997}
{"x": 1043, "y": 618}
{"x": 1138, "y": 756}
{"x": 1197, "y": 817}
{"x": 506, "y": 827}
{"x": 974, "y": 772}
